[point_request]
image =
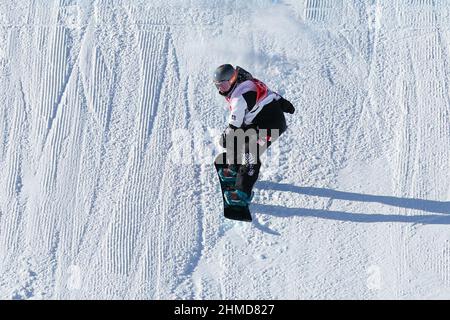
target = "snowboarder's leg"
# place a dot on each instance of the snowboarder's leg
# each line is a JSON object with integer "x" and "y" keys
{"x": 230, "y": 168}
{"x": 248, "y": 170}
{"x": 272, "y": 118}
{"x": 248, "y": 173}
{"x": 271, "y": 124}
{"x": 231, "y": 211}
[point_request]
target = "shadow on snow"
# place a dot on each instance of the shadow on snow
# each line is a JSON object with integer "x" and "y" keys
{"x": 407, "y": 203}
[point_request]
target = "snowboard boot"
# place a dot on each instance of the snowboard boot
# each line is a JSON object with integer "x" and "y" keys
{"x": 237, "y": 198}
{"x": 228, "y": 174}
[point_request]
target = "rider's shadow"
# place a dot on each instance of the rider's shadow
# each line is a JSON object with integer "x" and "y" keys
{"x": 440, "y": 209}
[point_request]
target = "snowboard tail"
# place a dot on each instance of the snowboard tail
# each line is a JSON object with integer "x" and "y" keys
{"x": 240, "y": 213}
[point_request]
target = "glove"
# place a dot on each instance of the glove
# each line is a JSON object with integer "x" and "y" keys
{"x": 286, "y": 106}
{"x": 223, "y": 137}
{"x": 223, "y": 140}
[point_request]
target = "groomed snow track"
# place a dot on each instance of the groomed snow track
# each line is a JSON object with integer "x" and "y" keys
{"x": 106, "y": 118}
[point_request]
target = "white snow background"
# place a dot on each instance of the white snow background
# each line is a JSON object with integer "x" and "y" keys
{"x": 107, "y": 124}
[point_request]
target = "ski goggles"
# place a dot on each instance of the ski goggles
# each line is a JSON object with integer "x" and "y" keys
{"x": 223, "y": 86}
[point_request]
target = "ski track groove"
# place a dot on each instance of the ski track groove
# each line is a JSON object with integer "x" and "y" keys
{"x": 150, "y": 75}
{"x": 13, "y": 212}
{"x": 148, "y": 103}
{"x": 153, "y": 49}
{"x": 97, "y": 103}
{"x": 48, "y": 227}
{"x": 200, "y": 180}
{"x": 414, "y": 156}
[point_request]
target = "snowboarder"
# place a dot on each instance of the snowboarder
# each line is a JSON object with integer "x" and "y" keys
{"x": 257, "y": 114}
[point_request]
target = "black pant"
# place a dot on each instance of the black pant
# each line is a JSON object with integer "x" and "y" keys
{"x": 270, "y": 118}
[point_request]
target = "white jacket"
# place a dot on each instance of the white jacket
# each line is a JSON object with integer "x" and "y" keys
{"x": 240, "y": 113}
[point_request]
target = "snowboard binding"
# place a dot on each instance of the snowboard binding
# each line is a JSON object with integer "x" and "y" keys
{"x": 237, "y": 198}
{"x": 228, "y": 175}
{"x": 235, "y": 209}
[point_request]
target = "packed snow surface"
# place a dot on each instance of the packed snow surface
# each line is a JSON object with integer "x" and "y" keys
{"x": 107, "y": 124}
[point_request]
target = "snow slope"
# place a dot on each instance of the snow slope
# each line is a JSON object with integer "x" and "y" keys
{"x": 106, "y": 121}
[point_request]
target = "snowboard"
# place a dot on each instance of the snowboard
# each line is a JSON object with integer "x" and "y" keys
{"x": 239, "y": 213}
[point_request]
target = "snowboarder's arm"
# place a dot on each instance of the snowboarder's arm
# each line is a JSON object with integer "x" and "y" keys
{"x": 287, "y": 106}
{"x": 238, "y": 106}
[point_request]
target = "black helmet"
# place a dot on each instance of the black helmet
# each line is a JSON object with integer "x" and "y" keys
{"x": 225, "y": 77}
